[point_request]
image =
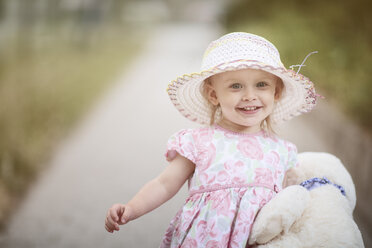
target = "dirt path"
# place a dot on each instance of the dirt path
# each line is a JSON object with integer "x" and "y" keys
{"x": 116, "y": 149}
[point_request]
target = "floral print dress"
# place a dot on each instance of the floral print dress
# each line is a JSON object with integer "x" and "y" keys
{"x": 235, "y": 175}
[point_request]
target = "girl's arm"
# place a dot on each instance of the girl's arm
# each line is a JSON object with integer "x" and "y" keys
{"x": 152, "y": 195}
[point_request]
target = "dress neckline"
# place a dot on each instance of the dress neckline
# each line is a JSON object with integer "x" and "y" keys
{"x": 218, "y": 127}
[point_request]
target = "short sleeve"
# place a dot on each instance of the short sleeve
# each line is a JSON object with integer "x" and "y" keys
{"x": 292, "y": 156}
{"x": 182, "y": 143}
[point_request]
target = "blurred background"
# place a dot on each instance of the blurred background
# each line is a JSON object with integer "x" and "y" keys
{"x": 49, "y": 50}
{"x": 59, "y": 57}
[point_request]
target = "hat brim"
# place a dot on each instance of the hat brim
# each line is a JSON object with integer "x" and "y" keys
{"x": 298, "y": 96}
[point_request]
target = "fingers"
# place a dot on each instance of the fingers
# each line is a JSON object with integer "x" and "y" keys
{"x": 113, "y": 214}
{"x": 110, "y": 224}
{"x": 113, "y": 218}
{"x": 109, "y": 227}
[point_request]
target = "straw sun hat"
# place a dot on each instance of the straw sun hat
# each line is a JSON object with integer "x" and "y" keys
{"x": 237, "y": 51}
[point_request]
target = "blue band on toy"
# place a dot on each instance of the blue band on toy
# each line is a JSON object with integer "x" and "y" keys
{"x": 318, "y": 182}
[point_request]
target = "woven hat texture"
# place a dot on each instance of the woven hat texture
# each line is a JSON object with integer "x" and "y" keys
{"x": 236, "y": 51}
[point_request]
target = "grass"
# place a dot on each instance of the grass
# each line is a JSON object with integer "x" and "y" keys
{"x": 43, "y": 92}
{"x": 338, "y": 30}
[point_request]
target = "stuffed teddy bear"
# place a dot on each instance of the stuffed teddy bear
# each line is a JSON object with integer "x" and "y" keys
{"x": 317, "y": 213}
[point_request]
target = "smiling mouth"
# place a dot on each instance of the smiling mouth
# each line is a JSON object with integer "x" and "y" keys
{"x": 249, "y": 108}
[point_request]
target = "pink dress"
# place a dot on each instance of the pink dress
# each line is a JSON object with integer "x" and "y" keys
{"x": 235, "y": 175}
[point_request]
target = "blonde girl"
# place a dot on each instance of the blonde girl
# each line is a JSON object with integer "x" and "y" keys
{"x": 234, "y": 164}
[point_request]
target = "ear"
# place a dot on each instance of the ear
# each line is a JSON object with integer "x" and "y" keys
{"x": 278, "y": 89}
{"x": 211, "y": 94}
{"x": 277, "y": 95}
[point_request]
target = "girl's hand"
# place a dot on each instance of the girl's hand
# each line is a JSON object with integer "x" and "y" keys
{"x": 118, "y": 214}
{"x": 152, "y": 194}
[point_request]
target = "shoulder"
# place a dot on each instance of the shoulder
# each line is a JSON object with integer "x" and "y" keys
{"x": 194, "y": 132}
{"x": 284, "y": 147}
{"x": 187, "y": 142}
{"x": 282, "y": 142}
{"x": 193, "y": 135}
{"x": 290, "y": 146}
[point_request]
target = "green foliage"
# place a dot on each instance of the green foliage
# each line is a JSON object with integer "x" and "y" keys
{"x": 338, "y": 29}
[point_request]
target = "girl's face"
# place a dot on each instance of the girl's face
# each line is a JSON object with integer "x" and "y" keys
{"x": 246, "y": 98}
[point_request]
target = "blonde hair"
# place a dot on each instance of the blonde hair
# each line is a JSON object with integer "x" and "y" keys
{"x": 265, "y": 124}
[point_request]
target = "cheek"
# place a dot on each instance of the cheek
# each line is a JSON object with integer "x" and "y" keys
{"x": 223, "y": 96}
{"x": 230, "y": 99}
{"x": 270, "y": 98}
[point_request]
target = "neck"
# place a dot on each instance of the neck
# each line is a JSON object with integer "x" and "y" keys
{"x": 238, "y": 128}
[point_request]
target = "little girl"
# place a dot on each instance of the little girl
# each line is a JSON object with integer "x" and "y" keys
{"x": 236, "y": 164}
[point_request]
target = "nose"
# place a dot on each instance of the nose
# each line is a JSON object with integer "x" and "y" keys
{"x": 249, "y": 95}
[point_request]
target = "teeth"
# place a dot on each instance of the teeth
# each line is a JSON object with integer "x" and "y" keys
{"x": 250, "y": 108}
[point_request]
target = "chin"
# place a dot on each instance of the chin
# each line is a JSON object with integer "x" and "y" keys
{"x": 251, "y": 125}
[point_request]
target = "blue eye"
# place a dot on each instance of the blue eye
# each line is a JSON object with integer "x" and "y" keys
{"x": 261, "y": 84}
{"x": 236, "y": 86}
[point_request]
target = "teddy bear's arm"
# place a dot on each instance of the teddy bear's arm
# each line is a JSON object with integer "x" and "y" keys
{"x": 279, "y": 214}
